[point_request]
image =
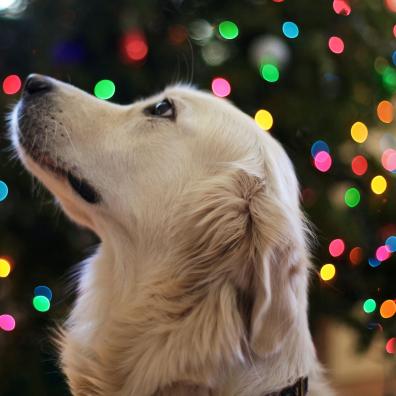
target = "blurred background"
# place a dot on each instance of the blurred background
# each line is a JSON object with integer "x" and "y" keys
{"x": 319, "y": 76}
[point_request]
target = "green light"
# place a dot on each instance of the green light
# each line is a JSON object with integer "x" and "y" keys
{"x": 228, "y": 30}
{"x": 389, "y": 78}
{"x": 269, "y": 72}
{"x": 369, "y": 306}
{"x": 41, "y": 303}
{"x": 352, "y": 197}
{"x": 104, "y": 89}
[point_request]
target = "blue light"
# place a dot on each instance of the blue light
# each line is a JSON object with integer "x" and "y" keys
{"x": 319, "y": 145}
{"x": 290, "y": 30}
{"x": 43, "y": 291}
{"x": 391, "y": 243}
{"x": 373, "y": 262}
{"x": 394, "y": 57}
{"x": 3, "y": 191}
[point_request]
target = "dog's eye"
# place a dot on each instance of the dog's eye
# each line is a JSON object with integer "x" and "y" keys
{"x": 164, "y": 109}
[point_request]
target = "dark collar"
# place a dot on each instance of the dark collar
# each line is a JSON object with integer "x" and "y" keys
{"x": 300, "y": 388}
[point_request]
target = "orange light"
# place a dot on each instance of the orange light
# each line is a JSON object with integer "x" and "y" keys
{"x": 385, "y": 111}
{"x": 388, "y": 309}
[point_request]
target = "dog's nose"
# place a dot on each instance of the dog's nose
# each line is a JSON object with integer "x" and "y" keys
{"x": 36, "y": 84}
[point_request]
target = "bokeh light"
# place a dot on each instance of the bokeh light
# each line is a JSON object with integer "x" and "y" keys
{"x": 104, "y": 89}
{"x": 391, "y": 243}
{"x": 221, "y": 87}
{"x": 378, "y": 184}
{"x": 373, "y": 262}
{"x": 336, "y": 45}
{"x": 327, "y": 272}
{"x": 359, "y": 165}
{"x": 3, "y": 190}
{"x": 323, "y": 161}
{"x": 5, "y": 268}
{"x": 394, "y": 30}
{"x": 134, "y": 46}
{"x": 12, "y": 84}
{"x": 388, "y": 159}
{"x": 359, "y": 132}
{"x": 319, "y": 145}
{"x": 390, "y": 346}
{"x": 352, "y": 197}
{"x": 336, "y": 247}
{"x": 290, "y": 29}
{"x": 388, "y": 309}
{"x": 385, "y": 111}
{"x": 228, "y": 30}
{"x": 356, "y": 255}
{"x": 382, "y": 253}
{"x": 264, "y": 119}
{"x": 269, "y": 72}
{"x": 7, "y": 322}
{"x": 391, "y": 5}
{"x": 41, "y": 303}
{"x": 177, "y": 34}
{"x": 341, "y": 7}
{"x": 369, "y": 306}
{"x": 43, "y": 291}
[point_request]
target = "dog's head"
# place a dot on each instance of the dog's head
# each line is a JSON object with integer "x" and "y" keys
{"x": 181, "y": 164}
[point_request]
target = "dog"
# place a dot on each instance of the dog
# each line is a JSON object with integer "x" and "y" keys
{"x": 199, "y": 285}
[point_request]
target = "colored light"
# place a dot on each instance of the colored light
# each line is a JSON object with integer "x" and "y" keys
{"x": 134, "y": 46}
{"x": 391, "y": 5}
{"x": 388, "y": 159}
{"x": 228, "y": 30}
{"x": 12, "y": 84}
{"x": 323, "y": 161}
{"x": 264, "y": 119}
{"x": 269, "y": 72}
{"x": 388, "y": 309}
{"x": 221, "y": 87}
{"x": 359, "y": 132}
{"x": 391, "y": 243}
{"x": 394, "y": 57}
{"x": 394, "y": 30}
{"x": 327, "y": 272}
{"x": 278, "y": 1}
{"x": 389, "y": 78}
{"x": 319, "y": 145}
{"x": 7, "y": 322}
{"x": 177, "y": 34}
{"x": 390, "y": 346}
{"x": 104, "y": 89}
{"x": 41, "y": 303}
{"x": 341, "y": 7}
{"x": 43, "y": 291}
{"x": 3, "y": 191}
{"x": 378, "y": 184}
{"x": 336, "y": 45}
{"x": 336, "y": 247}
{"x": 369, "y": 306}
{"x": 356, "y": 255}
{"x": 373, "y": 262}
{"x": 352, "y": 197}
{"x": 385, "y": 111}
{"x": 5, "y": 268}
{"x": 290, "y": 30}
{"x": 359, "y": 165}
{"x": 382, "y": 253}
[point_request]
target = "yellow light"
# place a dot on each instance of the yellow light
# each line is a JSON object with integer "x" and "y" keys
{"x": 264, "y": 119}
{"x": 327, "y": 272}
{"x": 378, "y": 184}
{"x": 359, "y": 132}
{"x": 5, "y": 268}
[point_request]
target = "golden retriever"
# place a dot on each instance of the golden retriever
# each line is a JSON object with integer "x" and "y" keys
{"x": 199, "y": 286}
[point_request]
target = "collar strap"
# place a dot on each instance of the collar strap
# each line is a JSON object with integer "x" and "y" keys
{"x": 300, "y": 388}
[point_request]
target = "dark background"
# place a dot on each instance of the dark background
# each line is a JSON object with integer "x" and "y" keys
{"x": 319, "y": 95}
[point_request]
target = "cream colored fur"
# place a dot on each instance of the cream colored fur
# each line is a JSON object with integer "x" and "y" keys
{"x": 199, "y": 286}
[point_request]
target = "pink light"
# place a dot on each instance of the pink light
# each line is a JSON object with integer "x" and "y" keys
{"x": 341, "y": 7}
{"x": 221, "y": 87}
{"x": 391, "y": 346}
{"x": 388, "y": 159}
{"x": 391, "y": 5}
{"x": 336, "y": 45}
{"x": 322, "y": 161}
{"x": 382, "y": 253}
{"x": 394, "y": 30}
{"x": 7, "y": 322}
{"x": 336, "y": 247}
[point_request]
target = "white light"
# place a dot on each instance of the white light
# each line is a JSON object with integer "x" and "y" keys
{"x": 4, "y": 4}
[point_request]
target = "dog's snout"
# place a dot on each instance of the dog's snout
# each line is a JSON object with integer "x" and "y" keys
{"x": 37, "y": 84}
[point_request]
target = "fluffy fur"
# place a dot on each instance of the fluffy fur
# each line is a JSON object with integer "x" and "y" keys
{"x": 199, "y": 286}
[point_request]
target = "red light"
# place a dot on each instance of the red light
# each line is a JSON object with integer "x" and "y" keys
{"x": 134, "y": 46}
{"x": 336, "y": 45}
{"x": 177, "y": 34}
{"x": 391, "y": 346}
{"x": 356, "y": 255}
{"x": 341, "y": 7}
{"x": 359, "y": 165}
{"x": 391, "y": 5}
{"x": 12, "y": 84}
{"x": 336, "y": 247}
